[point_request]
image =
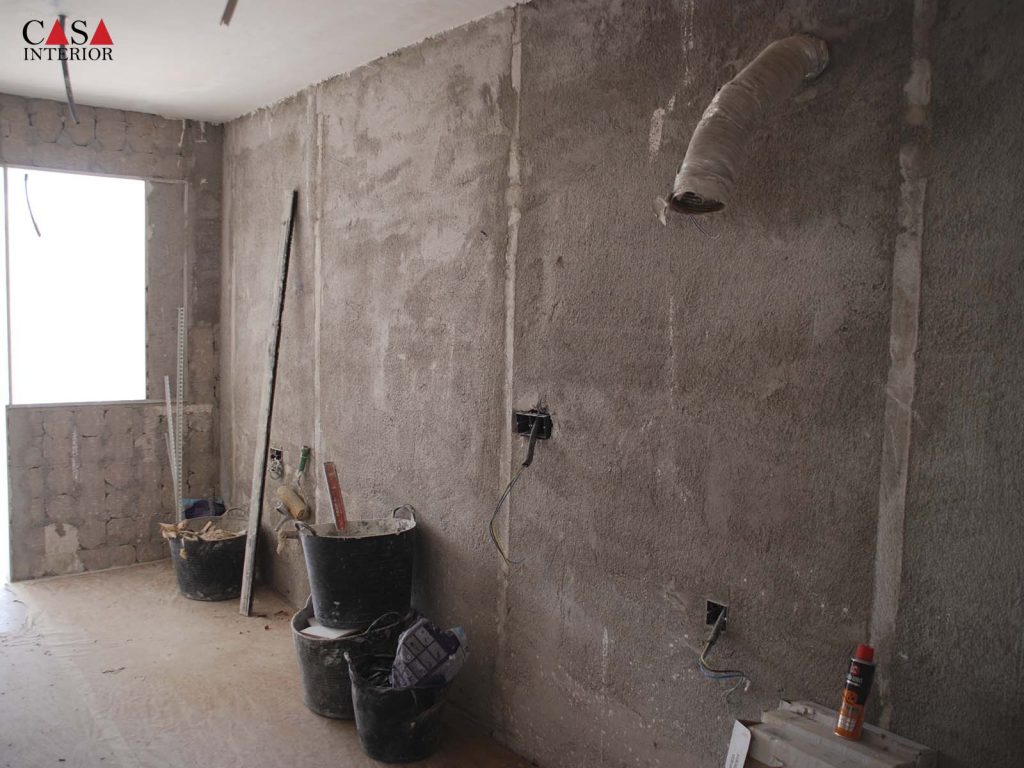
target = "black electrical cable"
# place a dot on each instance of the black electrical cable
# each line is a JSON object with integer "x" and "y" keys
{"x": 703, "y": 229}
{"x": 511, "y": 484}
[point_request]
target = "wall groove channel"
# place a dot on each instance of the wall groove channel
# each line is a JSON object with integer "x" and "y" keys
{"x": 897, "y": 425}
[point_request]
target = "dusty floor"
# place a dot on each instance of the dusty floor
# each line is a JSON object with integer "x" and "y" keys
{"x": 115, "y": 669}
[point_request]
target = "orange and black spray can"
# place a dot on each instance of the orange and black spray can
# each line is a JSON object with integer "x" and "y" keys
{"x": 855, "y": 693}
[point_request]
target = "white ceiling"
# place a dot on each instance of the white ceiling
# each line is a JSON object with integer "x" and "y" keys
{"x": 174, "y": 58}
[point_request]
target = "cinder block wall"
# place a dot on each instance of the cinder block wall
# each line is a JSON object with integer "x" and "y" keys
{"x": 88, "y": 483}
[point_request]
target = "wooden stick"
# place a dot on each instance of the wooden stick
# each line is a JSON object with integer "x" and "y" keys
{"x": 259, "y": 470}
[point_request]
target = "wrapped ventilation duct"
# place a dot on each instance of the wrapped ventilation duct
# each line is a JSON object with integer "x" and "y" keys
{"x": 704, "y": 182}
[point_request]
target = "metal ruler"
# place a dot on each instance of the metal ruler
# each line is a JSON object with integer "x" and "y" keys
{"x": 334, "y": 489}
{"x": 172, "y": 451}
{"x": 179, "y": 425}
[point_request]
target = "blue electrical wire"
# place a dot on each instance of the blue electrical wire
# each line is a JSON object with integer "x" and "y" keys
{"x": 709, "y": 672}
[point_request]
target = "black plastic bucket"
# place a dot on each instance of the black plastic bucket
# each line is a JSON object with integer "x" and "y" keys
{"x": 326, "y": 687}
{"x": 396, "y": 725}
{"x": 361, "y": 573}
{"x": 209, "y": 570}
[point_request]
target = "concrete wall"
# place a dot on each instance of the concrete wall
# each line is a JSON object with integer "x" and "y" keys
{"x": 959, "y": 636}
{"x": 734, "y": 409}
{"x": 115, "y": 485}
{"x": 391, "y": 361}
{"x": 256, "y": 186}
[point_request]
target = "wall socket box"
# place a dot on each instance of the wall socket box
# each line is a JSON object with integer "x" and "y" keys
{"x": 522, "y": 423}
{"x": 714, "y": 610}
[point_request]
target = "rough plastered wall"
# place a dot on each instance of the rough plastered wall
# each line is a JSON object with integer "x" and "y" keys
{"x": 85, "y": 488}
{"x": 265, "y": 159}
{"x": 960, "y": 621}
{"x": 718, "y": 396}
{"x": 391, "y": 361}
{"x": 734, "y": 408}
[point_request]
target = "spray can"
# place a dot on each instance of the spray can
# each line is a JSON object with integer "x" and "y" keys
{"x": 855, "y": 693}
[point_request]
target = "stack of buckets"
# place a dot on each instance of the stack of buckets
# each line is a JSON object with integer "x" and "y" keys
{"x": 361, "y": 580}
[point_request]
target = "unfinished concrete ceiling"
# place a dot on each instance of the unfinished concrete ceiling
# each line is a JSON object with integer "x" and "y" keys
{"x": 177, "y": 60}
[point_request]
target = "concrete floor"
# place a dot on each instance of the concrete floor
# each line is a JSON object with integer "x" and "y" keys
{"x": 116, "y": 669}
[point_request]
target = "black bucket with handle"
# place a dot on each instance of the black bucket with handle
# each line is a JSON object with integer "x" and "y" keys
{"x": 326, "y": 687}
{"x": 210, "y": 570}
{"x": 395, "y": 725}
{"x": 363, "y": 572}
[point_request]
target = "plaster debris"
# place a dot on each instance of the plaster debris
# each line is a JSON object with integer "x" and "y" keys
{"x": 209, "y": 532}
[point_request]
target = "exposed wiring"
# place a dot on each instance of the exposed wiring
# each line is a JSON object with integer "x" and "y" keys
{"x": 508, "y": 490}
{"x": 713, "y": 673}
{"x": 703, "y": 229}
{"x": 494, "y": 516}
{"x": 67, "y": 77}
{"x": 28, "y": 204}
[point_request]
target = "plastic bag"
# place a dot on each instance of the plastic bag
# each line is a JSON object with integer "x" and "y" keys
{"x": 428, "y": 656}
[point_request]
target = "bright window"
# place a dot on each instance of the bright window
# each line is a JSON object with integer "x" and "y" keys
{"x": 77, "y": 282}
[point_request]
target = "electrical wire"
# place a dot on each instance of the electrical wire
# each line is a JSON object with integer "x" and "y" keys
{"x": 67, "y": 77}
{"x": 713, "y": 673}
{"x": 703, "y": 228}
{"x": 494, "y": 516}
{"x": 28, "y": 204}
{"x": 508, "y": 490}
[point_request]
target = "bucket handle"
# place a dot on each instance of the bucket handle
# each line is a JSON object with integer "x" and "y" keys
{"x": 408, "y": 509}
{"x": 397, "y": 618}
{"x": 302, "y": 527}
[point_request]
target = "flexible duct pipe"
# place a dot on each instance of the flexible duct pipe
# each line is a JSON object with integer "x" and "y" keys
{"x": 704, "y": 182}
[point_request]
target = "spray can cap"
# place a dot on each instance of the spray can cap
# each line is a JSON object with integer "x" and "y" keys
{"x": 864, "y": 653}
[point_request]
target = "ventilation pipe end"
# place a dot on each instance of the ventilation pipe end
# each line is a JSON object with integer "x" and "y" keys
{"x": 705, "y": 179}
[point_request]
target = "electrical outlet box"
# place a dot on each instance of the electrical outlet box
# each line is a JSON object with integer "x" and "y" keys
{"x": 714, "y": 610}
{"x": 522, "y": 423}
